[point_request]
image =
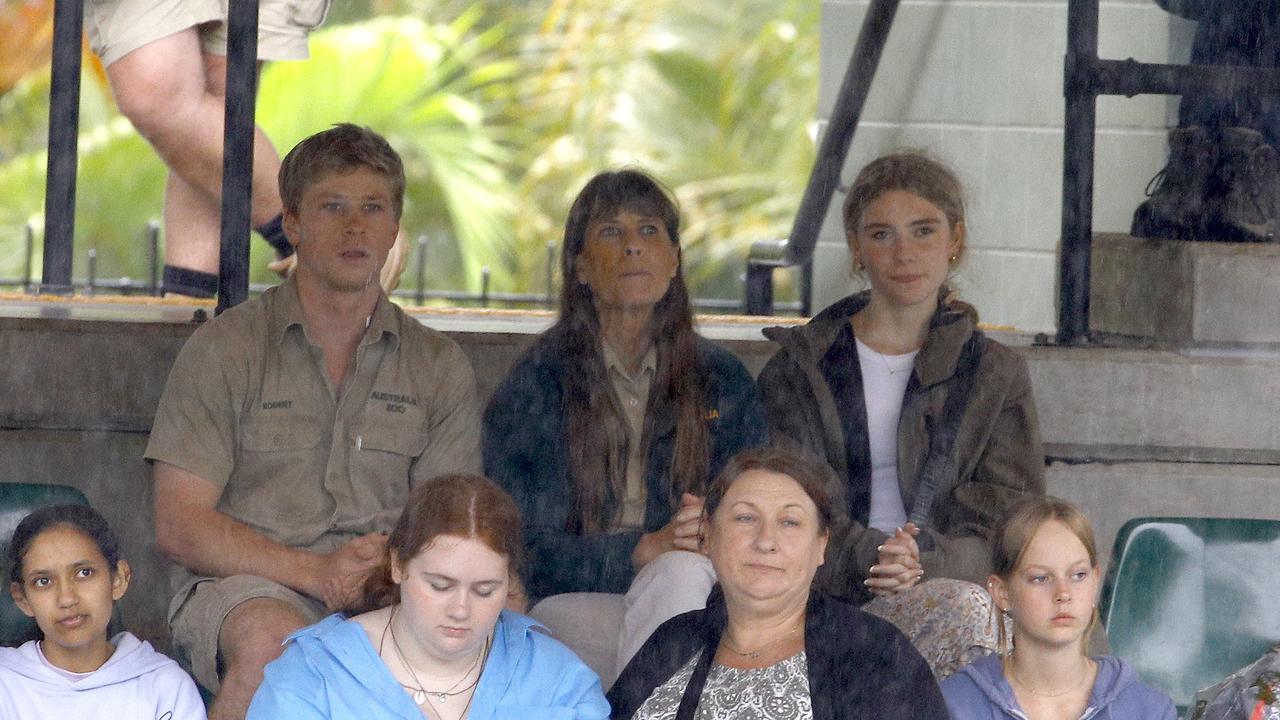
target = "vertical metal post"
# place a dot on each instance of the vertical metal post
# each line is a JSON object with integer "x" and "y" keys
{"x": 806, "y": 288}
{"x": 551, "y": 274}
{"x": 484, "y": 286}
{"x": 1077, "y": 171}
{"x": 758, "y": 289}
{"x": 93, "y": 272}
{"x": 237, "y": 155}
{"x": 153, "y": 258}
{"x": 29, "y": 235}
{"x": 64, "y": 126}
{"x": 420, "y": 295}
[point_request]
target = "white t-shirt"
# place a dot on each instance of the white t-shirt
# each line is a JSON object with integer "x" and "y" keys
{"x": 884, "y": 384}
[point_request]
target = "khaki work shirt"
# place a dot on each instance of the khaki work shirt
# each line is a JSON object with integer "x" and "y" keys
{"x": 250, "y": 408}
{"x": 632, "y": 393}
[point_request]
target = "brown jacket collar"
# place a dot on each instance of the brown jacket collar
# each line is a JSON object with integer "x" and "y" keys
{"x": 949, "y": 330}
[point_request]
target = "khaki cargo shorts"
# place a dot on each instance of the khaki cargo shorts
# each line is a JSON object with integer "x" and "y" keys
{"x": 196, "y": 617}
{"x": 118, "y": 27}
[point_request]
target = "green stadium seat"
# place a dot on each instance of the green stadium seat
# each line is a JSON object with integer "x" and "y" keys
{"x": 1188, "y": 601}
{"x": 17, "y": 500}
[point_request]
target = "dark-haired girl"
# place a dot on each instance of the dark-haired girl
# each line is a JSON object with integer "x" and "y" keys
{"x": 65, "y": 571}
{"x": 435, "y": 640}
{"x": 607, "y": 430}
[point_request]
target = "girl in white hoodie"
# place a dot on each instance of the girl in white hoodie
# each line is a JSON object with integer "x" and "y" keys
{"x": 65, "y": 572}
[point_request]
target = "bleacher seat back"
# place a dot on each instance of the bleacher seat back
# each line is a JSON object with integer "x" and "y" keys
{"x": 1187, "y": 601}
{"x": 17, "y": 500}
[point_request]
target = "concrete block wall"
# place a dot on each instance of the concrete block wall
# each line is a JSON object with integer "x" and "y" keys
{"x": 979, "y": 84}
{"x": 1132, "y": 432}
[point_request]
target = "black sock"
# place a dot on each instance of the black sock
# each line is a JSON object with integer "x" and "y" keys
{"x": 273, "y": 232}
{"x": 192, "y": 283}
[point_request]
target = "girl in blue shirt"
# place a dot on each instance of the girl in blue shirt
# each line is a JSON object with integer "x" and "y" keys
{"x": 435, "y": 641}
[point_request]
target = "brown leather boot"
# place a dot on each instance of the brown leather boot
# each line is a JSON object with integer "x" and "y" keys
{"x": 1250, "y": 170}
{"x": 1178, "y": 204}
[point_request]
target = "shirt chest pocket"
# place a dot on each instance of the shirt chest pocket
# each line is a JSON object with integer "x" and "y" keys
{"x": 278, "y": 460}
{"x": 274, "y": 433}
{"x": 382, "y": 453}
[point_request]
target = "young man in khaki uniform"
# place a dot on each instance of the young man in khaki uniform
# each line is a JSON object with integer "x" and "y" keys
{"x": 293, "y": 425}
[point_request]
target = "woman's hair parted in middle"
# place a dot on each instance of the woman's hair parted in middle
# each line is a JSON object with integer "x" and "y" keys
{"x": 466, "y": 506}
{"x": 912, "y": 171}
{"x": 1013, "y": 533}
{"x": 814, "y": 477}
{"x": 915, "y": 172}
{"x": 80, "y": 518}
{"x": 596, "y": 428}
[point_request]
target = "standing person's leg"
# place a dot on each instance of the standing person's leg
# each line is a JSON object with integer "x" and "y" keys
{"x": 173, "y": 92}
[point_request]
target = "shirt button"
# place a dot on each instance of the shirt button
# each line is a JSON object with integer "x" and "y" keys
{"x": 634, "y": 402}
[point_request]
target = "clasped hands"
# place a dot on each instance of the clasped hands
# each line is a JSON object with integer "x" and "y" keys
{"x": 898, "y": 566}
{"x": 340, "y": 575}
{"x": 684, "y": 532}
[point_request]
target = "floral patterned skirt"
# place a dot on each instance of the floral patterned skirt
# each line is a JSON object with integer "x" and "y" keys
{"x": 950, "y": 622}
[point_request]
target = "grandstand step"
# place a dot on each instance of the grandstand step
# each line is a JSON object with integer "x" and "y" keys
{"x": 1184, "y": 291}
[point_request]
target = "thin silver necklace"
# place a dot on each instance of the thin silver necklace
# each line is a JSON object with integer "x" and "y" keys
{"x": 1013, "y": 672}
{"x": 754, "y": 654}
{"x": 884, "y": 359}
{"x": 420, "y": 693}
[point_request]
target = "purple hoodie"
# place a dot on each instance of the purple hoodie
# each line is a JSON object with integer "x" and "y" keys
{"x": 979, "y": 691}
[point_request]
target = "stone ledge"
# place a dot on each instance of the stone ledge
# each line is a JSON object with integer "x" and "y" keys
{"x": 1183, "y": 291}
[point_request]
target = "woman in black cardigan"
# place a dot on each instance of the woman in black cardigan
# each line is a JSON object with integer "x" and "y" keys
{"x": 766, "y": 644}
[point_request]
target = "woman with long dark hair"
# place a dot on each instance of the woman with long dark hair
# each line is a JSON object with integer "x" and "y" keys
{"x": 607, "y": 430}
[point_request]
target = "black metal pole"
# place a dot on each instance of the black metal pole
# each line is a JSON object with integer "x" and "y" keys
{"x": 420, "y": 295}
{"x": 1130, "y": 78}
{"x": 1077, "y": 171}
{"x": 153, "y": 258}
{"x": 29, "y": 236}
{"x": 237, "y": 156}
{"x": 64, "y": 126}
{"x": 825, "y": 177}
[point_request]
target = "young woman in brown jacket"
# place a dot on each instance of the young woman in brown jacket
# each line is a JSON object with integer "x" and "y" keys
{"x": 929, "y": 425}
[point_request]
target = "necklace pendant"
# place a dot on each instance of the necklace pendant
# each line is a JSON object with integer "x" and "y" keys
{"x": 419, "y": 696}
{"x": 441, "y": 697}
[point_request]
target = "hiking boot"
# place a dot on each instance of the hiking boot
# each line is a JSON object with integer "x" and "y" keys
{"x": 1250, "y": 171}
{"x": 1178, "y": 202}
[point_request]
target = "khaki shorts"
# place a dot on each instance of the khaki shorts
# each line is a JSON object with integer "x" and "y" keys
{"x": 118, "y": 27}
{"x": 196, "y": 617}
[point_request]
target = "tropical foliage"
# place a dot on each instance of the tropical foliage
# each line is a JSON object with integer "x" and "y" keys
{"x": 502, "y": 111}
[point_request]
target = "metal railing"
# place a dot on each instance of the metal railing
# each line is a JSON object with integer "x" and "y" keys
{"x": 237, "y": 172}
{"x": 1085, "y": 78}
{"x": 824, "y": 179}
{"x": 417, "y": 290}
{"x": 237, "y": 176}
